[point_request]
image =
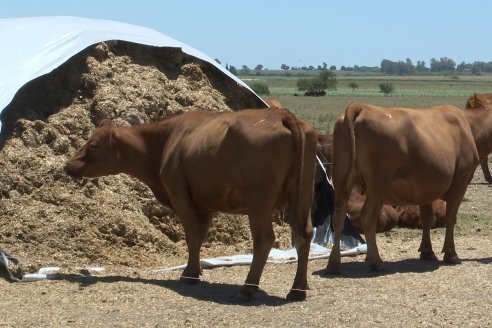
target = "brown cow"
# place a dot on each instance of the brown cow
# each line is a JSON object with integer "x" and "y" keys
{"x": 480, "y": 100}
{"x": 406, "y": 156}
{"x": 390, "y": 216}
{"x": 198, "y": 163}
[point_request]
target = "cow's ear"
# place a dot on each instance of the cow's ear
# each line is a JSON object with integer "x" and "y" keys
{"x": 105, "y": 122}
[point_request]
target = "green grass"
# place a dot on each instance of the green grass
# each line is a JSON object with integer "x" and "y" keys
{"x": 410, "y": 91}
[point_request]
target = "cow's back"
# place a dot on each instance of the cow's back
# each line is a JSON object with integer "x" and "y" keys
{"x": 227, "y": 158}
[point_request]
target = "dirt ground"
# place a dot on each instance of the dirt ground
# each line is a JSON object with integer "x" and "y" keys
{"x": 407, "y": 293}
{"x": 47, "y": 219}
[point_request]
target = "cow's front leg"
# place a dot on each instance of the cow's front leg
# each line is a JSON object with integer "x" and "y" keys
{"x": 484, "y": 164}
{"x": 196, "y": 230}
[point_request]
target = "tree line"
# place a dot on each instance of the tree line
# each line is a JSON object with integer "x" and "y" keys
{"x": 389, "y": 67}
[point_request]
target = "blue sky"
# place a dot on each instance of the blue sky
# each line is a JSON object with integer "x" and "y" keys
{"x": 300, "y": 33}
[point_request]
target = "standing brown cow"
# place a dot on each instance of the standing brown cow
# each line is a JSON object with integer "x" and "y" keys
{"x": 198, "y": 163}
{"x": 479, "y": 100}
{"x": 390, "y": 215}
{"x": 406, "y": 156}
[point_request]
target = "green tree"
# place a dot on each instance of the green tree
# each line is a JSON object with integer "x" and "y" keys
{"x": 329, "y": 80}
{"x": 260, "y": 88}
{"x": 354, "y": 85}
{"x": 386, "y": 88}
{"x": 318, "y": 85}
{"x": 233, "y": 70}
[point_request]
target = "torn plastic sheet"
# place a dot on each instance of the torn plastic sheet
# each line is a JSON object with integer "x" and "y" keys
{"x": 276, "y": 256}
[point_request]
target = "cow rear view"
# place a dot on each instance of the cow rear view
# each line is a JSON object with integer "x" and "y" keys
{"x": 404, "y": 156}
{"x": 248, "y": 162}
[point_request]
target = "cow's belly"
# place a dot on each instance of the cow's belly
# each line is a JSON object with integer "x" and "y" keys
{"x": 415, "y": 191}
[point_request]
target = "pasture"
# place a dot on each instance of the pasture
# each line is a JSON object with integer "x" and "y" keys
{"x": 407, "y": 293}
{"x": 410, "y": 91}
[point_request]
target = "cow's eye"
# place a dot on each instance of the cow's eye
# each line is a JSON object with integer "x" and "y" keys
{"x": 93, "y": 145}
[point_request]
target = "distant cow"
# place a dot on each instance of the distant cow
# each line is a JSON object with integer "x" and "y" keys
{"x": 198, "y": 163}
{"x": 390, "y": 216}
{"x": 479, "y": 100}
{"x": 406, "y": 156}
{"x": 315, "y": 93}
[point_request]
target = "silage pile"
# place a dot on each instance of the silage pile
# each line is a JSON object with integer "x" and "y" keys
{"x": 46, "y": 217}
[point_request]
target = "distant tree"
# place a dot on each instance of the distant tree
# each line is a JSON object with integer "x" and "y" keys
{"x": 325, "y": 65}
{"x": 259, "y": 67}
{"x": 330, "y": 79}
{"x": 233, "y": 70}
{"x": 386, "y": 88}
{"x": 354, "y": 85}
{"x": 333, "y": 68}
{"x": 283, "y": 66}
{"x": 304, "y": 84}
{"x": 442, "y": 65}
{"x": 343, "y": 68}
{"x": 245, "y": 70}
{"x": 318, "y": 85}
{"x": 260, "y": 88}
{"x": 420, "y": 67}
{"x": 218, "y": 60}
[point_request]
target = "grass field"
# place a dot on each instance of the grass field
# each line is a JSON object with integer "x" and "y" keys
{"x": 410, "y": 91}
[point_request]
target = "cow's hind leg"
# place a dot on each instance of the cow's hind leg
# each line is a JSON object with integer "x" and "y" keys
{"x": 338, "y": 222}
{"x": 303, "y": 232}
{"x": 260, "y": 220}
{"x": 449, "y": 250}
{"x": 427, "y": 218}
{"x": 369, "y": 217}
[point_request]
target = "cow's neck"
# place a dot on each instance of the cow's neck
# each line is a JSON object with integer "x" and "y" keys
{"x": 480, "y": 121}
{"x": 139, "y": 152}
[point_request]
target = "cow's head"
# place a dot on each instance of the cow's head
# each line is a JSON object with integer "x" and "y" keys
{"x": 98, "y": 157}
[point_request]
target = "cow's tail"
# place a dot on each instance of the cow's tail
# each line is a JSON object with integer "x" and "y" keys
{"x": 344, "y": 167}
{"x": 301, "y": 195}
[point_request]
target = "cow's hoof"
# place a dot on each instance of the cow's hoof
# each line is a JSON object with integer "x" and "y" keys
{"x": 296, "y": 295}
{"x": 453, "y": 260}
{"x": 428, "y": 256}
{"x": 377, "y": 265}
{"x": 190, "y": 280}
{"x": 245, "y": 294}
{"x": 333, "y": 266}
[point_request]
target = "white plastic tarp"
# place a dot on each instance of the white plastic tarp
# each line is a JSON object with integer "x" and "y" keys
{"x": 36, "y": 45}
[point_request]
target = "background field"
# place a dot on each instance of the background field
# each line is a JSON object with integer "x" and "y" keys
{"x": 410, "y": 91}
